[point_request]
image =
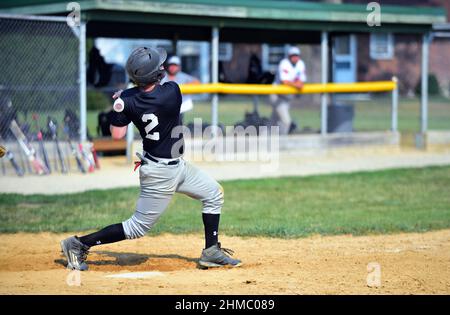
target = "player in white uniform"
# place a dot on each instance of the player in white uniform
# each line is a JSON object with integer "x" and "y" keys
{"x": 175, "y": 74}
{"x": 291, "y": 71}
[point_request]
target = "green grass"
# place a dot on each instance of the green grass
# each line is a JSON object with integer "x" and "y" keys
{"x": 372, "y": 115}
{"x": 389, "y": 201}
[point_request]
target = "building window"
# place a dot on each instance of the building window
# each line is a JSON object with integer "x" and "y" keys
{"x": 381, "y": 46}
{"x": 272, "y": 55}
{"x": 225, "y": 51}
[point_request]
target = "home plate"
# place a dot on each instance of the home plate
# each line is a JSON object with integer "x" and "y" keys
{"x": 137, "y": 275}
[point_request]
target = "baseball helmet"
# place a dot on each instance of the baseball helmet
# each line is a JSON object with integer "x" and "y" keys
{"x": 145, "y": 65}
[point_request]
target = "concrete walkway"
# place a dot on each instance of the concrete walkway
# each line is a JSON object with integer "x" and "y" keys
{"x": 116, "y": 172}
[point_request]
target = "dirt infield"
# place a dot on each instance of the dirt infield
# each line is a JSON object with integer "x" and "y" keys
{"x": 410, "y": 264}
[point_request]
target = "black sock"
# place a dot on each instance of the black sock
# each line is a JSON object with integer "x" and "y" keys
{"x": 110, "y": 234}
{"x": 211, "y": 223}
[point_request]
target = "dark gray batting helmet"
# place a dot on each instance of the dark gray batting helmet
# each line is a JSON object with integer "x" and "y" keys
{"x": 144, "y": 65}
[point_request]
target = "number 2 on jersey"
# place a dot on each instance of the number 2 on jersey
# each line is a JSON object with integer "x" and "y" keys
{"x": 150, "y": 126}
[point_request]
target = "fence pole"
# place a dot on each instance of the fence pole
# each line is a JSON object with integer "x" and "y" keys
{"x": 215, "y": 79}
{"x": 424, "y": 87}
{"x": 324, "y": 107}
{"x": 394, "y": 121}
{"x": 82, "y": 82}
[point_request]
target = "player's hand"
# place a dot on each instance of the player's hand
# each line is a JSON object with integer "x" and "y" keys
{"x": 117, "y": 94}
{"x": 298, "y": 84}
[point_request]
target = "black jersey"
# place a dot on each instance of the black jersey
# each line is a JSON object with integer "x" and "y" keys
{"x": 155, "y": 114}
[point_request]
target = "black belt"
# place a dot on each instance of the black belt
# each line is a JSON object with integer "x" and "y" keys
{"x": 174, "y": 162}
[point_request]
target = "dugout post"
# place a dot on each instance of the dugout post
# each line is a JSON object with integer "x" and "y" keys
{"x": 324, "y": 75}
{"x": 82, "y": 81}
{"x": 424, "y": 84}
{"x": 394, "y": 115}
{"x": 214, "y": 79}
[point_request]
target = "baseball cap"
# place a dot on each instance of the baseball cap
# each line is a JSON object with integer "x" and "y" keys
{"x": 174, "y": 60}
{"x": 294, "y": 51}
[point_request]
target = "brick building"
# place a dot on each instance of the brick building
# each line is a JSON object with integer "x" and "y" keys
{"x": 358, "y": 56}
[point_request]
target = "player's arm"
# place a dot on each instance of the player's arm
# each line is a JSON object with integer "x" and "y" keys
{"x": 301, "y": 79}
{"x": 194, "y": 81}
{"x": 285, "y": 79}
{"x": 191, "y": 79}
{"x": 119, "y": 121}
{"x": 118, "y": 132}
{"x": 297, "y": 84}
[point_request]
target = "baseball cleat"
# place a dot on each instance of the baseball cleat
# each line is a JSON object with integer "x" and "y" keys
{"x": 216, "y": 256}
{"x": 75, "y": 252}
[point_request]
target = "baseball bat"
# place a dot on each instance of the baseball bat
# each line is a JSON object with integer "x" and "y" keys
{"x": 54, "y": 132}
{"x": 90, "y": 163}
{"x": 40, "y": 139}
{"x": 10, "y": 156}
{"x": 75, "y": 152}
{"x": 29, "y": 151}
{"x": 14, "y": 164}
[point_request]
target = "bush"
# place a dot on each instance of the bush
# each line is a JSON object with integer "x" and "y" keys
{"x": 433, "y": 86}
{"x": 97, "y": 100}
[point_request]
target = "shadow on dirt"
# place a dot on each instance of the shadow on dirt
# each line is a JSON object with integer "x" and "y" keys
{"x": 103, "y": 258}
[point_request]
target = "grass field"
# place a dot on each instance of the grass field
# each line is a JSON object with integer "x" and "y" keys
{"x": 369, "y": 115}
{"x": 360, "y": 203}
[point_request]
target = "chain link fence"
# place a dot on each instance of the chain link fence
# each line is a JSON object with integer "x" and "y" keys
{"x": 39, "y": 89}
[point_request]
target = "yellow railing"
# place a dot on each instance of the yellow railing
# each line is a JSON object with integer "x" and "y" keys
{"x": 309, "y": 88}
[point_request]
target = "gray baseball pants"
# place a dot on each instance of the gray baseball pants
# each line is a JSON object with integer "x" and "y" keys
{"x": 280, "y": 112}
{"x": 159, "y": 182}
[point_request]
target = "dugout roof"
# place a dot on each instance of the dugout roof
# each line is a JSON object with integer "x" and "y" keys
{"x": 238, "y": 20}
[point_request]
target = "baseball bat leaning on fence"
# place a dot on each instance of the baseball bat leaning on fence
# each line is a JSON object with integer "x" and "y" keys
{"x": 75, "y": 152}
{"x": 93, "y": 154}
{"x": 10, "y": 157}
{"x": 14, "y": 164}
{"x": 25, "y": 162}
{"x": 87, "y": 158}
{"x": 29, "y": 151}
{"x": 40, "y": 139}
{"x": 54, "y": 132}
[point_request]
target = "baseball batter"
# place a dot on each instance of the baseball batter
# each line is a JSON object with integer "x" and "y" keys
{"x": 154, "y": 109}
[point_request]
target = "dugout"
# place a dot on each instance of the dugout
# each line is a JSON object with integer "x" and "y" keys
{"x": 239, "y": 21}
